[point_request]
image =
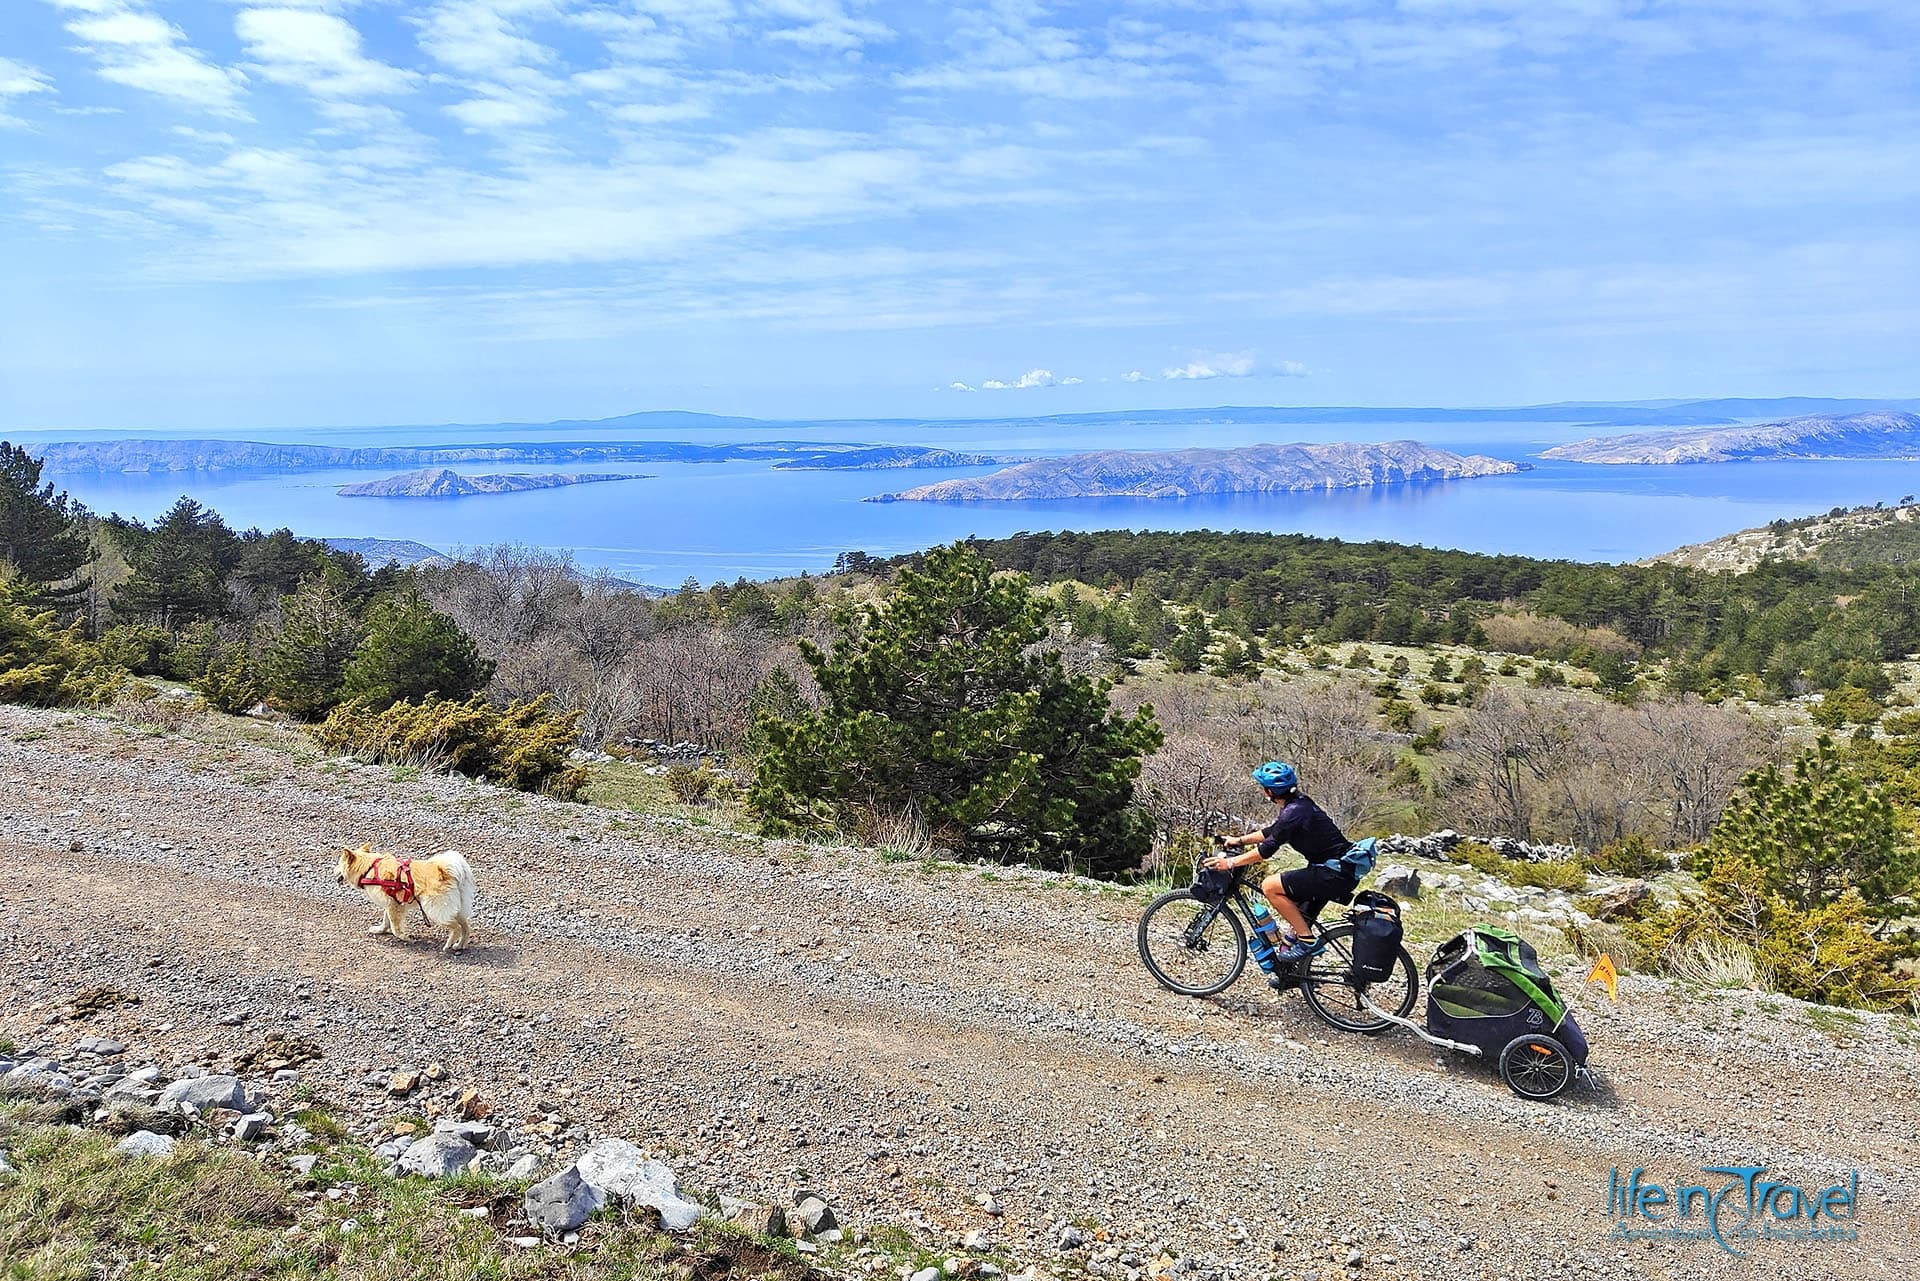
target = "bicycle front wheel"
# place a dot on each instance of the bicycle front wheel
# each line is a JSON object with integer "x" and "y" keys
{"x": 1192, "y": 947}
{"x": 1334, "y": 996}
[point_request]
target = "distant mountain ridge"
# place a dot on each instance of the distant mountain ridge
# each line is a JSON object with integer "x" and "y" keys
{"x": 1874, "y": 434}
{"x": 439, "y": 482}
{"x": 1670, "y": 412}
{"x": 154, "y": 454}
{"x": 1181, "y": 473}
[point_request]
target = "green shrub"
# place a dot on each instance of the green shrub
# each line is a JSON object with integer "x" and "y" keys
{"x": 525, "y": 745}
{"x": 45, "y": 665}
{"x": 145, "y": 649}
{"x": 691, "y": 785}
{"x": 410, "y": 651}
{"x": 1630, "y": 856}
{"x": 1828, "y": 953}
{"x": 1434, "y": 695}
{"x": 231, "y": 683}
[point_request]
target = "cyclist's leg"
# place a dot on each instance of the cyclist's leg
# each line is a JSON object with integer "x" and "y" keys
{"x": 1274, "y": 887}
{"x": 1298, "y": 895}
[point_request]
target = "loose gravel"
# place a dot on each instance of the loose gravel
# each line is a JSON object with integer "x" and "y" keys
{"x": 974, "y": 1055}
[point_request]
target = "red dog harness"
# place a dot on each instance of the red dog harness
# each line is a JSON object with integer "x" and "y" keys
{"x": 399, "y": 886}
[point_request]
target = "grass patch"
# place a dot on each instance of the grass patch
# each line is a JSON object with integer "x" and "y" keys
{"x": 621, "y": 785}
{"x": 1568, "y": 875}
{"x": 76, "y": 1210}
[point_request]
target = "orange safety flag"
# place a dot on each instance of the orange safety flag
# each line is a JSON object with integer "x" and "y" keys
{"x": 1603, "y": 972}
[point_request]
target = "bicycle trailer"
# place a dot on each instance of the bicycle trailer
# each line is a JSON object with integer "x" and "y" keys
{"x": 1487, "y": 994}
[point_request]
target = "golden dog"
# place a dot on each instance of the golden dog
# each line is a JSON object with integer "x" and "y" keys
{"x": 442, "y": 885}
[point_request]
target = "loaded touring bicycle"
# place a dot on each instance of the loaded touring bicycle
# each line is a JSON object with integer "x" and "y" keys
{"x": 1487, "y": 994}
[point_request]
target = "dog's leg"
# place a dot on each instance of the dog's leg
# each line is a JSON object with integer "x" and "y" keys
{"x": 397, "y": 919}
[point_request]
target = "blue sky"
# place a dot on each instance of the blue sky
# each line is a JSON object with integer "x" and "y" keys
{"x": 222, "y": 213}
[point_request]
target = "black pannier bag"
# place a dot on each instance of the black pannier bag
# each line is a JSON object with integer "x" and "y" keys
{"x": 1210, "y": 884}
{"x": 1376, "y": 936}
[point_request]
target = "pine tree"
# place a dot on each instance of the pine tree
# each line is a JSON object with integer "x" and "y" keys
{"x": 178, "y": 568}
{"x": 1815, "y": 832}
{"x": 939, "y": 702}
{"x": 303, "y": 666}
{"x": 411, "y": 650}
{"x": 1189, "y": 649}
{"x": 43, "y": 533}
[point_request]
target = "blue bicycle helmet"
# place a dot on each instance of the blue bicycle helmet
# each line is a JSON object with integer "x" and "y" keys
{"x": 1276, "y": 776}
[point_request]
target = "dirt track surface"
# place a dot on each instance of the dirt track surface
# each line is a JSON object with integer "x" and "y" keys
{"x": 765, "y": 1015}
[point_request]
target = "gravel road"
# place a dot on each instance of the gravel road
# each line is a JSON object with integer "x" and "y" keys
{"x": 908, "y": 1041}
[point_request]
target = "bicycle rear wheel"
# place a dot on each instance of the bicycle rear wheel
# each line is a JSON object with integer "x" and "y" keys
{"x": 1336, "y": 999}
{"x": 1191, "y": 947}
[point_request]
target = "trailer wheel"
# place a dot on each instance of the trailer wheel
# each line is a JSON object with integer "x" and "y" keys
{"x": 1536, "y": 1066}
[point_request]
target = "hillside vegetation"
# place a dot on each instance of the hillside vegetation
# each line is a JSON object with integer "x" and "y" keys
{"x": 1847, "y": 538}
{"x": 1080, "y": 701}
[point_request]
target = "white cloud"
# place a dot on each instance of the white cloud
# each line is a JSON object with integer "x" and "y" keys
{"x": 1232, "y": 364}
{"x": 483, "y": 36}
{"x": 315, "y": 51}
{"x": 958, "y": 387}
{"x": 17, "y": 80}
{"x": 137, "y": 49}
{"x": 823, "y": 24}
{"x": 1135, "y": 376}
{"x": 1032, "y": 378}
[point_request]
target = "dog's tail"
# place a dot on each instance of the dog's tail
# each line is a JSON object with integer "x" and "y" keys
{"x": 461, "y": 873}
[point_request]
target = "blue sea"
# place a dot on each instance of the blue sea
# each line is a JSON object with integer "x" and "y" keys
{"x": 720, "y": 521}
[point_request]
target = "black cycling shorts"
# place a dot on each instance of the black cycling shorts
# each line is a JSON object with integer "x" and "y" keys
{"x": 1313, "y": 887}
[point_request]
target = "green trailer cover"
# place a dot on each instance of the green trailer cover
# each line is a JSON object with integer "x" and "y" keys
{"x": 1500, "y": 950}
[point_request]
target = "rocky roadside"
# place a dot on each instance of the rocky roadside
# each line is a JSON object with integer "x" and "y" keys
{"x": 971, "y": 1057}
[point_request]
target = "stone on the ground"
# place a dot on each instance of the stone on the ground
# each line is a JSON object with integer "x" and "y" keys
{"x": 251, "y": 1126}
{"x": 439, "y": 1156}
{"x": 144, "y": 1143}
{"x": 37, "y": 1074}
{"x": 1620, "y": 900}
{"x": 561, "y": 1203}
{"x": 1071, "y": 1238}
{"x": 927, "y": 1274}
{"x": 99, "y": 1046}
{"x": 976, "y": 1240}
{"x": 474, "y": 1132}
{"x": 5, "y": 1169}
{"x": 813, "y": 1217}
{"x": 621, "y": 1173}
{"x": 303, "y": 1164}
{"x": 1399, "y": 882}
{"x": 205, "y": 1092}
{"x": 471, "y": 1106}
{"x": 754, "y": 1216}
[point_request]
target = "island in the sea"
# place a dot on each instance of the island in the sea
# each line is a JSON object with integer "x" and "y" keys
{"x": 438, "y": 482}
{"x": 149, "y": 455}
{"x": 1184, "y": 473}
{"x": 1875, "y": 434}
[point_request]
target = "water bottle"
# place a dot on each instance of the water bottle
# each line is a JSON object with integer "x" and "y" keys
{"x": 1264, "y": 928}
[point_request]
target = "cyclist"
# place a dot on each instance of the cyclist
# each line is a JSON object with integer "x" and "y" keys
{"x": 1297, "y": 895}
